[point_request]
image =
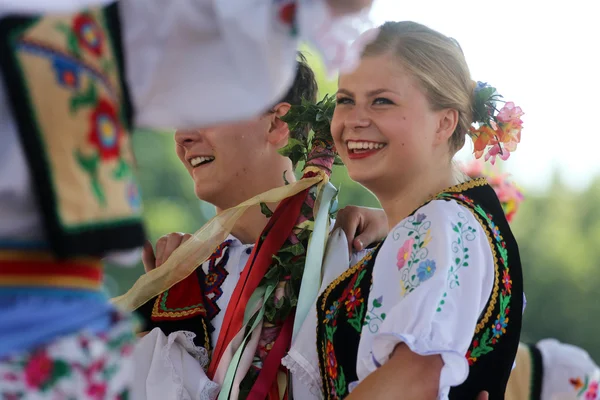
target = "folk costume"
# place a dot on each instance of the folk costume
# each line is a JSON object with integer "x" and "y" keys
{"x": 446, "y": 280}
{"x": 248, "y": 332}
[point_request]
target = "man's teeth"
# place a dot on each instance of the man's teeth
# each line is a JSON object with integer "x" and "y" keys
{"x": 364, "y": 145}
{"x": 200, "y": 160}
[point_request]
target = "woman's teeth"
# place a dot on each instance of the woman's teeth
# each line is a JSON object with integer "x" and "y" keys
{"x": 364, "y": 145}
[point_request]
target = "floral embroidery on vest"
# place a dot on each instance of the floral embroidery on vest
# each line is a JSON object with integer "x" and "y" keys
{"x": 350, "y": 305}
{"x": 487, "y": 335}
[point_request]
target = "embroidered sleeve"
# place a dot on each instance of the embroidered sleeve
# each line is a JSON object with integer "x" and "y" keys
{"x": 431, "y": 281}
{"x": 186, "y": 62}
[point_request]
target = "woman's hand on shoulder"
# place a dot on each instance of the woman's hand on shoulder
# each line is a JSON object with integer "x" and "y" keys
{"x": 363, "y": 226}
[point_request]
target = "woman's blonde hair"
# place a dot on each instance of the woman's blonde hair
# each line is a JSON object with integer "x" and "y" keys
{"x": 439, "y": 65}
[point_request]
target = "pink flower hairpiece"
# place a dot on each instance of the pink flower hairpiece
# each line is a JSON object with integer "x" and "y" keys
{"x": 497, "y": 131}
{"x": 508, "y": 192}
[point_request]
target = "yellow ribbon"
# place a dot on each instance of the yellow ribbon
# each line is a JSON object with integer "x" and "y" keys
{"x": 202, "y": 244}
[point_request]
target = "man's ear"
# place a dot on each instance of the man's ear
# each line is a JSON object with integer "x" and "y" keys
{"x": 448, "y": 120}
{"x": 279, "y": 131}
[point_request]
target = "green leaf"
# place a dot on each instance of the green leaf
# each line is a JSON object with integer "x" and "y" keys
{"x": 296, "y": 249}
{"x": 87, "y": 98}
{"x": 60, "y": 369}
{"x": 290, "y": 146}
{"x": 382, "y": 316}
{"x": 122, "y": 170}
{"x": 265, "y": 210}
{"x": 73, "y": 45}
{"x": 89, "y": 164}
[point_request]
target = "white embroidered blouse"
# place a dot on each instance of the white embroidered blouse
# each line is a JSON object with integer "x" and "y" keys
{"x": 431, "y": 281}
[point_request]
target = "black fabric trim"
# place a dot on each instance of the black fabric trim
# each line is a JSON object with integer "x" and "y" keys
{"x": 113, "y": 20}
{"x": 537, "y": 372}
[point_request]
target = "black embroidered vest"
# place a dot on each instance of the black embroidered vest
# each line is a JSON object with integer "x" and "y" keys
{"x": 496, "y": 338}
{"x": 64, "y": 77}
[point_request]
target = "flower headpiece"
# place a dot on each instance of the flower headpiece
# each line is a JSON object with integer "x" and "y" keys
{"x": 508, "y": 192}
{"x": 498, "y": 131}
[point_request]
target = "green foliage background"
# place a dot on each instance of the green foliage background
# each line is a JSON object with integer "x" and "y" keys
{"x": 558, "y": 233}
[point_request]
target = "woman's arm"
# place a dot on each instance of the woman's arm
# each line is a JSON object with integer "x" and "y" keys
{"x": 414, "y": 376}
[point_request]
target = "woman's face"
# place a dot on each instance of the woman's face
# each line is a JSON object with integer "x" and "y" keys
{"x": 383, "y": 126}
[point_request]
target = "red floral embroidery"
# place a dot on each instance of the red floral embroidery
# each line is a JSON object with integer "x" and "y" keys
{"x": 97, "y": 390}
{"x": 105, "y": 130}
{"x": 38, "y": 370}
{"x": 507, "y": 282}
{"x": 332, "y": 364}
{"x": 287, "y": 13}
{"x": 89, "y": 35}
{"x": 353, "y": 300}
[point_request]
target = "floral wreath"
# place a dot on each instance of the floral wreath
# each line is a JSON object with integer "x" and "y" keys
{"x": 498, "y": 131}
{"x": 508, "y": 192}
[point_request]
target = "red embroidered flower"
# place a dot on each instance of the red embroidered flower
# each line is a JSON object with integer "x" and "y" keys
{"x": 576, "y": 382}
{"x": 353, "y": 300}
{"x": 287, "y": 13}
{"x": 469, "y": 357}
{"x": 332, "y": 365}
{"x": 89, "y": 34}
{"x": 97, "y": 390}
{"x": 105, "y": 130}
{"x": 592, "y": 393}
{"x": 38, "y": 370}
{"x": 506, "y": 281}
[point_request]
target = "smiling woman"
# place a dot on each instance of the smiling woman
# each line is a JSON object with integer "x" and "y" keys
{"x": 426, "y": 312}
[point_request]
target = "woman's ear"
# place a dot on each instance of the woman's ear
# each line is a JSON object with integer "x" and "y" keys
{"x": 448, "y": 120}
{"x": 279, "y": 130}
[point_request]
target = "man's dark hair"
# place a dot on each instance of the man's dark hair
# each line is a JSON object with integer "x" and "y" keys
{"x": 304, "y": 87}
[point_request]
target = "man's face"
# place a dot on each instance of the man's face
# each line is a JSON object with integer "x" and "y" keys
{"x": 226, "y": 161}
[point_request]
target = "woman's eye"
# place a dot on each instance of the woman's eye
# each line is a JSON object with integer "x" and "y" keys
{"x": 382, "y": 100}
{"x": 344, "y": 100}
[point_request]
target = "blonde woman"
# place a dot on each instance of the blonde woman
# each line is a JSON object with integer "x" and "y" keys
{"x": 435, "y": 310}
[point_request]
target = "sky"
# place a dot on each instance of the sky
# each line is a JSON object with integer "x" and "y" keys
{"x": 544, "y": 56}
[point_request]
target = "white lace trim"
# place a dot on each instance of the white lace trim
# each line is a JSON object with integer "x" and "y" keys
{"x": 186, "y": 340}
{"x": 199, "y": 353}
{"x": 210, "y": 391}
{"x": 299, "y": 370}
